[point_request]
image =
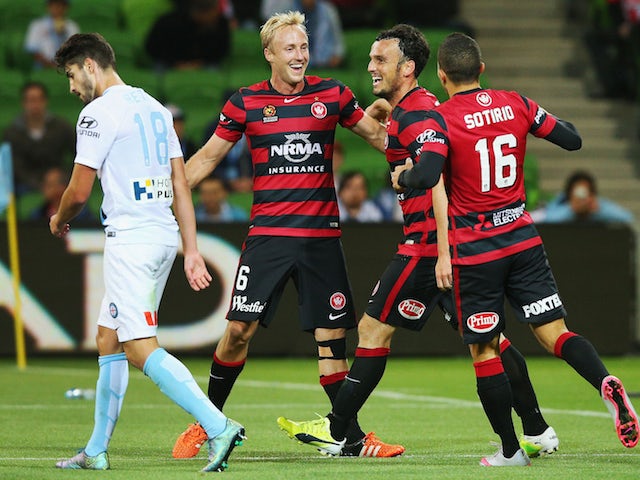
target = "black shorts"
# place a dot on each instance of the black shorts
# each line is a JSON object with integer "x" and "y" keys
{"x": 407, "y": 293}
{"x": 317, "y": 268}
{"x": 524, "y": 278}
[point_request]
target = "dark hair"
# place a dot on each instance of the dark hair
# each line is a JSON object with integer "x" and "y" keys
{"x": 350, "y": 175}
{"x": 580, "y": 176}
{"x": 460, "y": 58}
{"x": 411, "y": 42}
{"x": 34, "y": 84}
{"x": 81, "y": 46}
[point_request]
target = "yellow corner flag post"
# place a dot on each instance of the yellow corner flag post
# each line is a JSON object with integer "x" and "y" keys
{"x": 7, "y": 199}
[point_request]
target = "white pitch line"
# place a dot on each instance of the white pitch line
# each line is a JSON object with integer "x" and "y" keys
{"x": 288, "y": 458}
{"x": 433, "y": 401}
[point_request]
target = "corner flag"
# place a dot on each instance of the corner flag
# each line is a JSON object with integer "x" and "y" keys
{"x": 6, "y": 176}
{"x": 7, "y": 201}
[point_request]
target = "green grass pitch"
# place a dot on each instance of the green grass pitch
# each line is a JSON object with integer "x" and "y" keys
{"x": 427, "y": 404}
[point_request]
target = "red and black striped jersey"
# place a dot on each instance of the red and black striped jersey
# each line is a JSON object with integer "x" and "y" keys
{"x": 291, "y": 140}
{"x": 483, "y": 136}
{"x": 405, "y": 137}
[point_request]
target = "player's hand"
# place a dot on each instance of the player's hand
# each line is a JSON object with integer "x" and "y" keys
{"x": 380, "y": 110}
{"x": 395, "y": 174}
{"x": 196, "y": 272}
{"x": 57, "y": 230}
{"x": 444, "y": 275}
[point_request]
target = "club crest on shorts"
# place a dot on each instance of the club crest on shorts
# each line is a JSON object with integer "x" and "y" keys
{"x": 411, "y": 309}
{"x": 483, "y": 322}
{"x": 338, "y": 301}
{"x": 113, "y": 310}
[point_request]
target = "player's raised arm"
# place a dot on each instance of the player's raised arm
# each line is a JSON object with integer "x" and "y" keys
{"x": 565, "y": 135}
{"x": 380, "y": 109}
{"x": 371, "y": 130}
{"x": 425, "y": 174}
{"x": 205, "y": 160}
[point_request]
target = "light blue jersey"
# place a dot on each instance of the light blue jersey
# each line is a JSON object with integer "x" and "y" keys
{"x": 128, "y": 137}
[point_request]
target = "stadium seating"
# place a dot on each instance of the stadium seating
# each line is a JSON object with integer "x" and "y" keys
{"x": 137, "y": 17}
{"x": 101, "y": 16}
{"x": 10, "y": 96}
{"x": 125, "y": 23}
{"x": 16, "y": 15}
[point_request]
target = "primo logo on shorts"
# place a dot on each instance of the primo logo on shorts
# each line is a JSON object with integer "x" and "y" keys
{"x": 542, "y": 306}
{"x": 152, "y": 189}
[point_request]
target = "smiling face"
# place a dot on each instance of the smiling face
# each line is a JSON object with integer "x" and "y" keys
{"x": 81, "y": 82}
{"x": 288, "y": 54}
{"x": 385, "y": 66}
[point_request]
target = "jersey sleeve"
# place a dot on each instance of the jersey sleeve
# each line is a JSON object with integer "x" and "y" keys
{"x": 233, "y": 119}
{"x": 541, "y": 122}
{"x": 432, "y": 152}
{"x": 95, "y": 131}
{"x": 350, "y": 112}
{"x": 413, "y": 131}
{"x": 175, "y": 150}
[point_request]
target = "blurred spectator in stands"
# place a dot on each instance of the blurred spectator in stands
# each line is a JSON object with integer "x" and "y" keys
{"x": 197, "y": 36}
{"x": 39, "y": 139}
{"x": 364, "y": 13}
{"x": 54, "y": 182}
{"x": 431, "y": 14}
{"x": 271, "y": 7}
{"x": 227, "y": 10}
{"x": 46, "y": 34}
{"x": 326, "y": 41}
{"x": 611, "y": 40}
{"x": 387, "y": 201}
{"x": 236, "y": 169}
{"x": 353, "y": 199}
{"x": 579, "y": 202}
{"x": 213, "y": 206}
{"x": 179, "y": 119}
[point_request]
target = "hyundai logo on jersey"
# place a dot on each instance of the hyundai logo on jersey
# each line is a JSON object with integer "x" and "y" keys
{"x": 87, "y": 122}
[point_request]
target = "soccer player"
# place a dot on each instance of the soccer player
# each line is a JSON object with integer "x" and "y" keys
{"x": 126, "y": 137}
{"x": 289, "y": 122}
{"x": 409, "y": 289}
{"x": 478, "y": 138}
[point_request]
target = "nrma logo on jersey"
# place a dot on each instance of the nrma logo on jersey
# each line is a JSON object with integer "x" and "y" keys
{"x": 297, "y": 148}
{"x": 152, "y": 189}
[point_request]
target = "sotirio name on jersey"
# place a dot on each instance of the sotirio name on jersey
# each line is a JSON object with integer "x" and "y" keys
{"x": 489, "y": 116}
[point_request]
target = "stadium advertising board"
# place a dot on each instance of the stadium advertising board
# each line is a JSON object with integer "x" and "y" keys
{"x": 62, "y": 289}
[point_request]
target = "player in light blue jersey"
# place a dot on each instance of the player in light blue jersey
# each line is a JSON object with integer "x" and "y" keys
{"x": 126, "y": 138}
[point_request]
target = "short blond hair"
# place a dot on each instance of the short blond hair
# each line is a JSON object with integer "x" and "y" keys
{"x": 278, "y": 21}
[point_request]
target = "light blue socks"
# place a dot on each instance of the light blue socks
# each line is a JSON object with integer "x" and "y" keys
{"x": 177, "y": 383}
{"x": 111, "y": 386}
